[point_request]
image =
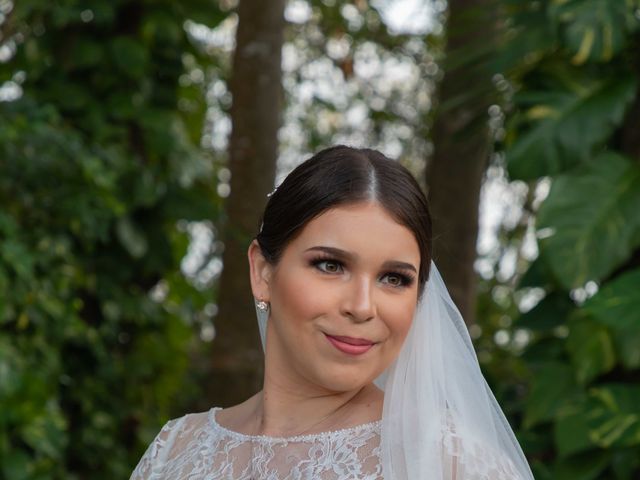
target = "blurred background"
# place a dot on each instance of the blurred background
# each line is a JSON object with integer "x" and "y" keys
{"x": 140, "y": 138}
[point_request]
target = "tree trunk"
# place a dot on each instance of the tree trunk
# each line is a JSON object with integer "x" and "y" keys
{"x": 461, "y": 149}
{"x": 256, "y": 87}
{"x": 629, "y": 138}
{"x": 630, "y": 145}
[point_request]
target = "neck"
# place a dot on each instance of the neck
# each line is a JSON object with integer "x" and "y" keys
{"x": 291, "y": 404}
{"x": 282, "y": 411}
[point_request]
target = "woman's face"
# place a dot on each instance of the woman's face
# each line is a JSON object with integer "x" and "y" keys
{"x": 342, "y": 298}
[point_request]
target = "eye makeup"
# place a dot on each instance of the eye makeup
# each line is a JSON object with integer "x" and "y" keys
{"x": 333, "y": 266}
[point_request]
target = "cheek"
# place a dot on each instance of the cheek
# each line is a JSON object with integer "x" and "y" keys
{"x": 299, "y": 297}
{"x": 399, "y": 321}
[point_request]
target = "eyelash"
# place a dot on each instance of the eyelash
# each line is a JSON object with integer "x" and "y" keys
{"x": 405, "y": 280}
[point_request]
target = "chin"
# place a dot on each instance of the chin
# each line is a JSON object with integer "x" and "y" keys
{"x": 339, "y": 380}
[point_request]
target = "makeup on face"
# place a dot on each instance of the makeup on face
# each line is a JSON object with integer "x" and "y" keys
{"x": 342, "y": 298}
{"x": 349, "y": 345}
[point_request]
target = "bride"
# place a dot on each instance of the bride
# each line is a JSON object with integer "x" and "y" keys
{"x": 369, "y": 370}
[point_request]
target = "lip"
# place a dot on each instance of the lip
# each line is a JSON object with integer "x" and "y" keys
{"x": 350, "y": 345}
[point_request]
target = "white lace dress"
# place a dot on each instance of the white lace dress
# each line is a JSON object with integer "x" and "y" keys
{"x": 197, "y": 447}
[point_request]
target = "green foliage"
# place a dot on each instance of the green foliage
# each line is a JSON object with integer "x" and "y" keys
{"x": 590, "y": 349}
{"x": 592, "y": 212}
{"x": 549, "y": 133}
{"x": 594, "y": 30}
{"x": 616, "y": 307}
{"x": 97, "y": 165}
{"x": 575, "y": 77}
{"x": 553, "y": 384}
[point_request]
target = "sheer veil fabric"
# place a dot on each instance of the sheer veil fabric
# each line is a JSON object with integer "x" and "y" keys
{"x": 440, "y": 419}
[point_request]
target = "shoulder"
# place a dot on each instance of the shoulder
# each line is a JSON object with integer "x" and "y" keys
{"x": 240, "y": 417}
{"x": 173, "y": 438}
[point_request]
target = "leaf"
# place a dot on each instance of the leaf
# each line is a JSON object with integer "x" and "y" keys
{"x": 556, "y": 141}
{"x": 594, "y": 216}
{"x": 531, "y": 37}
{"x": 553, "y": 387}
{"x": 548, "y": 348}
{"x": 625, "y": 463}
{"x": 591, "y": 349}
{"x": 86, "y": 52}
{"x": 46, "y": 432}
{"x": 618, "y": 302}
{"x": 617, "y": 305}
{"x": 550, "y": 312}
{"x": 10, "y": 371}
{"x": 616, "y": 420}
{"x": 571, "y": 431}
{"x": 207, "y": 12}
{"x": 17, "y": 257}
{"x": 586, "y": 466}
{"x": 594, "y": 30}
{"x": 17, "y": 466}
{"x": 69, "y": 95}
{"x": 131, "y": 238}
{"x": 627, "y": 341}
{"x": 130, "y": 56}
{"x": 537, "y": 275}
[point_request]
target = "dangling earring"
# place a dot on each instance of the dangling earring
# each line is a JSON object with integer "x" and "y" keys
{"x": 262, "y": 312}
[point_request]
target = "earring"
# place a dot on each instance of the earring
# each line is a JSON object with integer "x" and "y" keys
{"x": 262, "y": 311}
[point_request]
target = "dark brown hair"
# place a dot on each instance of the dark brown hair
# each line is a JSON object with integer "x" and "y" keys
{"x": 341, "y": 175}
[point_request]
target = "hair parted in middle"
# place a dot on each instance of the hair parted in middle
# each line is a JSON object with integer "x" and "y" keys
{"x": 343, "y": 175}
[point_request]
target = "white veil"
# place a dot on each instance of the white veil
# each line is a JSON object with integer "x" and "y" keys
{"x": 440, "y": 420}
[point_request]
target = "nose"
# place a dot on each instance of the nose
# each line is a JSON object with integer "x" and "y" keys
{"x": 358, "y": 302}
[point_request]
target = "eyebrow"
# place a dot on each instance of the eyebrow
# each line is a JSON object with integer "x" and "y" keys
{"x": 344, "y": 255}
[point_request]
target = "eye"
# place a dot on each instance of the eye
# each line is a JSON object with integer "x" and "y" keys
{"x": 328, "y": 265}
{"x": 397, "y": 280}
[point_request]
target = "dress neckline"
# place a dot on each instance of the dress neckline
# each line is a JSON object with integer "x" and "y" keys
{"x": 372, "y": 426}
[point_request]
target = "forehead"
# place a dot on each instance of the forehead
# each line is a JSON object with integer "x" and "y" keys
{"x": 367, "y": 229}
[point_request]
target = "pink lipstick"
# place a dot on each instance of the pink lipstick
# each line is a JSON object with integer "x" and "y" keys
{"x": 349, "y": 345}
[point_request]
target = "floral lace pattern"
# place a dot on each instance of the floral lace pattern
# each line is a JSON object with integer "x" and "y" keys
{"x": 196, "y": 447}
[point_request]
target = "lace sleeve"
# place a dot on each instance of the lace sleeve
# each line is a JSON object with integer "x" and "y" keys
{"x": 153, "y": 459}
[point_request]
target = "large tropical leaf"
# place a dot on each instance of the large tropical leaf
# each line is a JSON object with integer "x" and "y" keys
{"x": 617, "y": 305}
{"x": 608, "y": 416}
{"x": 593, "y": 30}
{"x": 571, "y": 429}
{"x": 591, "y": 349}
{"x": 616, "y": 422}
{"x": 553, "y": 388}
{"x": 528, "y": 36}
{"x": 586, "y": 466}
{"x": 592, "y": 218}
{"x": 551, "y": 311}
{"x": 562, "y": 127}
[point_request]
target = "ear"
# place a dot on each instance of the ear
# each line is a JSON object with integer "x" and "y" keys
{"x": 260, "y": 272}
